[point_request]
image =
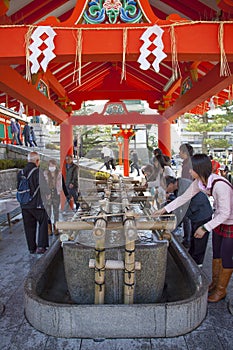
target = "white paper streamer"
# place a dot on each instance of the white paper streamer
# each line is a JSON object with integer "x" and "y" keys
{"x": 157, "y": 52}
{"x": 36, "y": 51}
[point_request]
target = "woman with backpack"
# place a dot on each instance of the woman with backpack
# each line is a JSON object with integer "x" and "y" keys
{"x": 221, "y": 224}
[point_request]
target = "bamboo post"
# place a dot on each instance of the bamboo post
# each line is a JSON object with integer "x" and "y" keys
{"x": 130, "y": 230}
{"x": 129, "y": 278}
{"x": 99, "y": 233}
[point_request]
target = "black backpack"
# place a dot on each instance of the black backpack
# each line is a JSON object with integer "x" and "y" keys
{"x": 23, "y": 195}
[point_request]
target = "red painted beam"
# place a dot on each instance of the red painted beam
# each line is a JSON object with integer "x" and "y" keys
{"x": 195, "y": 42}
{"x": 54, "y": 84}
{"x": 129, "y": 118}
{"x": 149, "y": 96}
{"x": 210, "y": 85}
{"x": 35, "y": 10}
{"x": 16, "y": 86}
{"x": 192, "y": 9}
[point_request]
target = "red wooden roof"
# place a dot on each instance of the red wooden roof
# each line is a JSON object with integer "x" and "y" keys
{"x": 101, "y": 78}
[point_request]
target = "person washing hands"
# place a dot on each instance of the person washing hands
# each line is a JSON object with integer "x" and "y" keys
{"x": 221, "y": 223}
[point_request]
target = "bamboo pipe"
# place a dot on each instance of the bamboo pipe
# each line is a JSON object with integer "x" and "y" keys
{"x": 130, "y": 230}
{"x": 99, "y": 272}
{"x": 74, "y": 225}
{"x": 140, "y": 225}
{"x": 115, "y": 264}
{"x": 99, "y": 236}
{"x": 129, "y": 280}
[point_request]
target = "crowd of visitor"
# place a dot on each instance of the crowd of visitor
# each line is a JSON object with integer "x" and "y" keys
{"x": 186, "y": 196}
{"x": 28, "y": 134}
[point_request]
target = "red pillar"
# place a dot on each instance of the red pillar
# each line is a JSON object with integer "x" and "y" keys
{"x": 120, "y": 152}
{"x": 126, "y": 155}
{"x": 164, "y": 136}
{"x": 66, "y": 147}
{"x": 66, "y": 141}
{"x": 7, "y": 140}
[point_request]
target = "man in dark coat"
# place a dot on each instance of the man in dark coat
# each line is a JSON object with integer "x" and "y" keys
{"x": 71, "y": 180}
{"x": 134, "y": 161}
{"x": 34, "y": 212}
{"x": 19, "y": 131}
{"x": 26, "y": 134}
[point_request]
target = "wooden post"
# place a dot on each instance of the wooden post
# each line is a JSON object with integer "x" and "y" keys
{"x": 99, "y": 233}
{"x": 169, "y": 224}
{"x": 129, "y": 280}
{"x": 130, "y": 230}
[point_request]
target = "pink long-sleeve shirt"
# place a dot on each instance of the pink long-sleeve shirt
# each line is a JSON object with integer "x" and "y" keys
{"x": 223, "y": 200}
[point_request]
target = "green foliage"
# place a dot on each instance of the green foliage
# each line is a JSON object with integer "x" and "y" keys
{"x": 12, "y": 163}
{"x": 208, "y": 123}
{"x": 101, "y": 175}
{"x": 94, "y": 136}
{"x": 52, "y": 146}
{"x": 213, "y": 143}
{"x": 152, "y": 142}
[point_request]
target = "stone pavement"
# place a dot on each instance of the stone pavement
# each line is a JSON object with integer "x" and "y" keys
{"x": 216, "y": 331}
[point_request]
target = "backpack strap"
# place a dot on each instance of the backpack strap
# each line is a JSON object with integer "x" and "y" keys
{"x": 214, "y": 182}
{"x": 31, "y": 172}
{"x": 29, "y": 175}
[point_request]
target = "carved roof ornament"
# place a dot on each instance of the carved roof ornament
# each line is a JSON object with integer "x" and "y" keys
{"x": 107, "y": 12}
{"x": 112, "y": 12}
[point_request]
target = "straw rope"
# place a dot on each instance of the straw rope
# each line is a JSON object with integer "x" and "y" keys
{"x": 134, "y": 27}
{"x": 125, "y": 38}
{"x": 27, "y": 53}
{"x": 175, "y": 64}
{"x": 224, "y": 66}
{"x": 78, "y": 57}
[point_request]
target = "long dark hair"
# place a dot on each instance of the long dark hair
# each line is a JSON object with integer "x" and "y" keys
{"x": 187, "y": 149}
{"x": 202, "y": 165}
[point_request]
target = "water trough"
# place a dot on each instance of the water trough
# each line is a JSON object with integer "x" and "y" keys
{"x": 49, "y": 309}
{"x": 142, "y": 288}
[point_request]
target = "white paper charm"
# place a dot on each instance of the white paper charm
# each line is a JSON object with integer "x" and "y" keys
{"x": 152, "y": 37}
{"x": 37, "y": 48}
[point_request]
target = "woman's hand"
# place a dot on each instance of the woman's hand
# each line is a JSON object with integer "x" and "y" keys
{"x": 159, "y": 212}
{"x": 200, "y": 232}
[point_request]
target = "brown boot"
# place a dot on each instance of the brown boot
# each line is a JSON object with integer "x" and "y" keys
{"x": 216, "y": 266}
{"x": 55, "y": 230}
{"x": 50, "y": 231}
{"x": 220, "y": 290}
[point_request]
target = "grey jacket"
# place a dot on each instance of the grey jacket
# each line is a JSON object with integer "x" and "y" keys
{"x": 72, "y": 175}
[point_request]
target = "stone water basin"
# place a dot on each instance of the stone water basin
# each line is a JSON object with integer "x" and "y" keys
{"x": 168, "y": 302}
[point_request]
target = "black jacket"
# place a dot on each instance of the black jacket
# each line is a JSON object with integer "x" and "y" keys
{"x": 198, "y": 209}
{"x": 36, "y": 179}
